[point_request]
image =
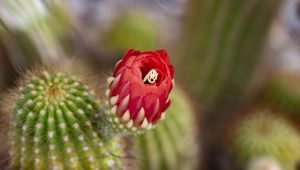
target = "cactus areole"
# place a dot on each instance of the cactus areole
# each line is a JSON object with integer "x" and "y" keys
{"x": 138, "y": 91}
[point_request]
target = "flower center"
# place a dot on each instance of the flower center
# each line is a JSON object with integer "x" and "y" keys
{"x": 151, "y": 76}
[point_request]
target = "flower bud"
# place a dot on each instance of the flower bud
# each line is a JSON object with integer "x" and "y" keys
{"x": 138, "y": 91}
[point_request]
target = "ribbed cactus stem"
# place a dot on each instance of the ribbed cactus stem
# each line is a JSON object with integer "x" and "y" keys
{"x": 222, "y": 45}
{"x": 172, "y": 145}
{"x": 52, "y": 126}
{"x": 220, "y": 50}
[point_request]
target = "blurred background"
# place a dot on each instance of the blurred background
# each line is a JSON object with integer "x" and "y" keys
{"x": 237, "y": 61}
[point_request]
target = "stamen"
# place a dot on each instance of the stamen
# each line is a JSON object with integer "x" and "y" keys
{"x": 151, "y": 76}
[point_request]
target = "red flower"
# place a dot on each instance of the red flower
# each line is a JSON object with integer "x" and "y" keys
{"x": 139, "y": 89}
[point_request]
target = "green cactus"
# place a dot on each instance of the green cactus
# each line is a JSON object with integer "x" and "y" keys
{"x": 172, "y": 144}
{"x": 41, "y": 24}
{"x": 52, "y": 126}
{"x": 264, "y": 134}
{"x": 218, "y": 56}
{"x": 133, "y": 30}
{"x": 283, "y": 93}
{"x": 222, "y": 45}
{"x": 18, "y": 47}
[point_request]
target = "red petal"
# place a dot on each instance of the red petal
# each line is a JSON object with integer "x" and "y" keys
{"x": 124, "y": 90}
{"x": 151, "y": 53}
{"x": 127, "y": 55}
{"x": 156, "y": 118}
{"x": 164, "y": 108}
{"x": 164, "y": 55}
{"x": 136, "y": 53}
{"x": 171, "y": 68}
{"x": 149, "y": 102}
{"x": 136, "y": 89}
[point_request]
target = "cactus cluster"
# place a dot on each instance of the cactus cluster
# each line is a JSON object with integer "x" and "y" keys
{"x": 52, "y": 126}
{"x": 264, "y": 134}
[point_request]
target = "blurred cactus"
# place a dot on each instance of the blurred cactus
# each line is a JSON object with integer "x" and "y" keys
{"x": 222, "y": 46}
{"x": 264, "y": 134}
{"x": 19, "y": 48}
{"x": 52, "y": 126}
{"x": 218, "y": 56}
{"x": 135, "y": 29}
{"x": 6, "y": 69}
{"x": 283, "y": 93}
{"x": 172, "y": 144}
{"x": 43, "y": 22}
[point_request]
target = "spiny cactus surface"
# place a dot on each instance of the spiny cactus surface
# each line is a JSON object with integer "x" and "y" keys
{"x": 264, "y": 134}
{"x": 52, "y": 126}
